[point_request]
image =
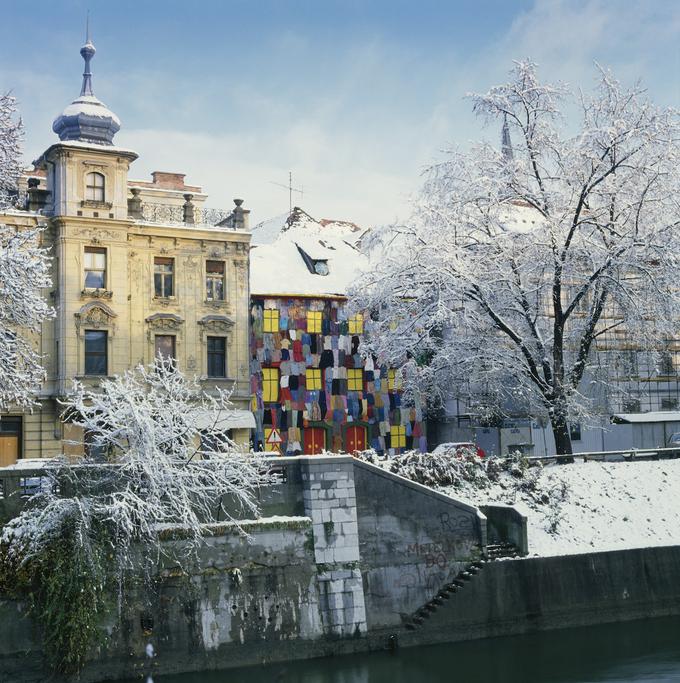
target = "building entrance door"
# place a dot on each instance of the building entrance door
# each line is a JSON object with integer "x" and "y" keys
{"x": 10, "y": 440}
{"x": 355, "y": 439}
{"x": 314, "y": 440}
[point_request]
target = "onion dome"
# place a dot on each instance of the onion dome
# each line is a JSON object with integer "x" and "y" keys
{"x": 87, "y": 119}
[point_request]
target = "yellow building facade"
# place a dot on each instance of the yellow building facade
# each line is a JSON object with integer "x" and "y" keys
{"x": 139, "y": 268}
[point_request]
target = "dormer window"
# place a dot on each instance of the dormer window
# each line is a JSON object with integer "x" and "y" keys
{"x": 94, "y": 187}
{"x": 321, "y": 267}
{"x": 317, "y": 266}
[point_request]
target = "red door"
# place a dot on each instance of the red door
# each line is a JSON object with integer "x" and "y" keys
{"x": 355, "y": 439}
{"x": 315, "y": 440}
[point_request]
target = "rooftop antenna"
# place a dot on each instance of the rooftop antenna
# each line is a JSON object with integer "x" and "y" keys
{"x": 290, "y": 189}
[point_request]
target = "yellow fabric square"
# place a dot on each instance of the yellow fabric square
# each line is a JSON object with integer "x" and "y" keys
{"x": 314, "y": 322}
{"x": 313, "y": 379}
{"x": 271, "y": 320}
{"x": 398, "y": 436}
{"x": 355, "y": 380}
{"x": 356, "y": 324}
{"x": 270, "y": 385}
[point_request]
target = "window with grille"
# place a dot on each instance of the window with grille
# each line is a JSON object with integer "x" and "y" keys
{"x": 631, "y": 405}
{"x": 271, "y": 320}
{"x": 94, "y": 187}
{"x": 217, "y": 357}
{"x": 356, "y": 324}
{"x": 629, "y": 363}
{"x": 214, "y": 280}
{"x": 355, "y": 380}
{"x": 270, "y": 385}
{"x": 164, "y": 276}
{"x": 96, "y": 357}
{"x": 398, "y": 436}
{"x": 95, "y": 268}
{"x": 314, "y": 322}
{"x": 665, "y": 364}
{"x": 669, "y": 404}
{"x": 313, "y": 379}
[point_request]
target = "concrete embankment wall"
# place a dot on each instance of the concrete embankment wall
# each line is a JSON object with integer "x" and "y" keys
{"x": 360, "y": 551}
{"x": 412, "y": 540}
{"x": 538, "y": 594}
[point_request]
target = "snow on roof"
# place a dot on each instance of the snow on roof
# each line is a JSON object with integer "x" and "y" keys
{"x": 520, "y": 217}
{"x": 267, "y": 231}
{"x": 654, "y": 416}
{"x": 278, "y": 267}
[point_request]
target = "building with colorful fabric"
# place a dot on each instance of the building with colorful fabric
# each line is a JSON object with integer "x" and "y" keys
{"x": 312, "y": 389}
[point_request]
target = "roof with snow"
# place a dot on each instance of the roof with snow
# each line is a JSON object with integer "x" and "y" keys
{"x": 295, "y": 254}
{"x": 644, "y": 418}
{"x": 520, "y": 217}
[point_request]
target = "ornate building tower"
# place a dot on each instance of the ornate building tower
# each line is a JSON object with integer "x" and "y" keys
{"x": 139, "y": 268}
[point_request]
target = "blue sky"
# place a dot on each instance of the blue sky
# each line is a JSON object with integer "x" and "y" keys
{"x": 355, "y": 98}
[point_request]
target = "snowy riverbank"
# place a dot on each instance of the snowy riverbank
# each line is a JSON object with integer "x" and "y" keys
{"x": 606, "y": 506}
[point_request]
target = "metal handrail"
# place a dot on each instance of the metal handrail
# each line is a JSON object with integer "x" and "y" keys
{"x": 628, "y": 453}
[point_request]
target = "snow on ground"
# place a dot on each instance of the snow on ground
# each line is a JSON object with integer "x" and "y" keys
{"x": 608, "y": 506}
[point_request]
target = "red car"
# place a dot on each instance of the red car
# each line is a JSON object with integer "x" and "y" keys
{"x": 456, "y": 448}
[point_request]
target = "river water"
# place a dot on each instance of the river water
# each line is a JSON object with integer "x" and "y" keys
{"x": 646, "y": 650}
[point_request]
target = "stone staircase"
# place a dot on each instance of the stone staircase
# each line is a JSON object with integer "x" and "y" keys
{"x": 465, "y": 576}
{"x": 499, "y": 551}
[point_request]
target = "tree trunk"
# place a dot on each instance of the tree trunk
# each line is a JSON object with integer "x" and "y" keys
{"x": 560, "y": 430}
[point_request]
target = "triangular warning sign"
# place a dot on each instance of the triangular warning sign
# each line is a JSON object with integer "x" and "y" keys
{"x": 274, "y": 437}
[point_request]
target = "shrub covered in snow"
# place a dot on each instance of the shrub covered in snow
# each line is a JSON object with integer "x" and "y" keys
{"x": 451, "y": 468}
{"x": 148, "y": 466}
{"x": 507, "y": 479}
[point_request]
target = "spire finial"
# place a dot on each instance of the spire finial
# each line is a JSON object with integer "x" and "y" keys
{"x": 506, "y": 142}
{"x": 87, "y": 51}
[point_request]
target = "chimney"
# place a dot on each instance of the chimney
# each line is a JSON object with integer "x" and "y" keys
{"x": 168, "y": 181}
{"x": 37, "y": 196}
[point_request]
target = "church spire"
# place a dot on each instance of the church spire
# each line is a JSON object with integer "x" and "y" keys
{"x": 87, "y": 52}
{"x": 506, "y": 142}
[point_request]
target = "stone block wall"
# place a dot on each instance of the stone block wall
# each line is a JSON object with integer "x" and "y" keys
{"x": 330, "y": 502}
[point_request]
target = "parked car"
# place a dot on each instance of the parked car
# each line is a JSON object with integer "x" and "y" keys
{"x": 673, "y": 440}
{"x": 456, "y": 448}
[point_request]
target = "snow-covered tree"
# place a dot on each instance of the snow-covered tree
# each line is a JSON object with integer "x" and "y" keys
{"x": 152, "y": 461}
{"x": 24, "y": 270}
{"x": 11, "y": 133}
{"x": 153, "y": 457}
{"x": 517, "y": 261}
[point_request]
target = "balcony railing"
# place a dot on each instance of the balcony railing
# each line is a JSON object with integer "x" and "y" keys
{"x": 186, "y": 214}
{"x": 165, "y": 213}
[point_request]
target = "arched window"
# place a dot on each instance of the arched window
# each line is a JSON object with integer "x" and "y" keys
{"x": 94, "y": 187}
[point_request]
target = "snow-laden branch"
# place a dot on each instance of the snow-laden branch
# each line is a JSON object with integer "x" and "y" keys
{"x": 24, "y": 271}
{"x": 157, "y": 454}
{"x": 511, "y": 268}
